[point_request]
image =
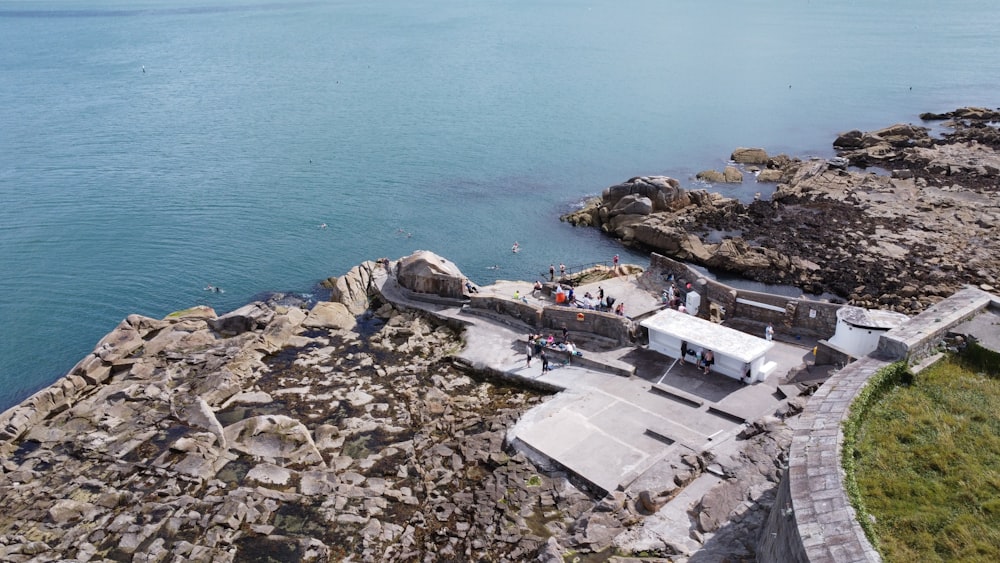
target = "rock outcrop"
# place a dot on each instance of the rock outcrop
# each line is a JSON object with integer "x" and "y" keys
{"x": 426, "y": 272}
{"x": 897, "y": 240}
{"x": 276, "y": 430}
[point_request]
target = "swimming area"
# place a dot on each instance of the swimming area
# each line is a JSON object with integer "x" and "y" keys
{"x": 151, "y": 149}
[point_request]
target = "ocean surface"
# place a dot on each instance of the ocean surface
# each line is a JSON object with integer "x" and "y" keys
{"x": 149, "y": 149}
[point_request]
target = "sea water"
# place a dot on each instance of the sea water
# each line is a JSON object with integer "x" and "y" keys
{"x": 151, "y": 149}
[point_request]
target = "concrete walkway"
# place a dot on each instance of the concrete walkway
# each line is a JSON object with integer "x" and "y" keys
{"x": 609, "y": 430}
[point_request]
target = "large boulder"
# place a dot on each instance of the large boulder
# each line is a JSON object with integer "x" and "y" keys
{"x": 426, "y": 272}
{"x": 330, "y": 315}
{"x": 712, "y": 176}
{"x": 732, "y": 175}
{"x": 664, "y": 192}
{"x": 633, "y": 205}
{"x": 744, "y": 155}
{"x": 354, "y": 288}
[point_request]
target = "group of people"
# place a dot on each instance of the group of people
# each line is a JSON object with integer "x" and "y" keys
{"x": 703, "y": 359}
{"x": 672, "y": 298}
{"x": 589, "y": 300}
{"x": 538, "y": 344}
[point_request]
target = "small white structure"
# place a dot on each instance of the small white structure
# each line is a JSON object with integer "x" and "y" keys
{"x": 737, "y": 354}
{"x": 858, "y": 330}
{"x": 692, "y": 302}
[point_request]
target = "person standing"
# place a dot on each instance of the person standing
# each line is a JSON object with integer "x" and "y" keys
{"x": 562, "y": 270}
{"x": 552, "y": 272}
{"x": 565, "y": 333}
{"x": 707, "y": 360}
{"x": 528, "y": 349}
{"x": 545, "y": 362}
{"x": 769, "y": 332}
{"x": 615, "y": 261}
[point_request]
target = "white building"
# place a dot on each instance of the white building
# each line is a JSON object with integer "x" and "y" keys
{"x": 858, "y": 330}
{"x": 737, "y": 354}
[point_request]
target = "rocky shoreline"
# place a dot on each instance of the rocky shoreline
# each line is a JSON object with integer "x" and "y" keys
{"x": 281, "y": 433}
{"x": 347, "y": 432}
{"x": 902, "y": 237}
{"x": 271, "y": 433}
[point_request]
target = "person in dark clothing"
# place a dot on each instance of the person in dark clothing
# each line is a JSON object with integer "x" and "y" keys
{"x": 545, "y": 361}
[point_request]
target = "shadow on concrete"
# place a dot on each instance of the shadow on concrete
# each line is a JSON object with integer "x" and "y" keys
{"x": 651, "y": 366}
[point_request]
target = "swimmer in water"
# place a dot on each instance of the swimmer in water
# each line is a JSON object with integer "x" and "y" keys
{"x": 322, "y": 225}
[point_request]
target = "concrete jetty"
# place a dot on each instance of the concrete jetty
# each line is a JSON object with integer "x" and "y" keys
{"x": 615, "y": 431}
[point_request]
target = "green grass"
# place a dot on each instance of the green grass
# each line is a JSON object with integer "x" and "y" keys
{"x": 926, "y": 463}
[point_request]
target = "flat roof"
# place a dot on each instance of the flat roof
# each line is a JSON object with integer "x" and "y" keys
{"x": 871, "y": 318}
{"x": 706, "y": 334}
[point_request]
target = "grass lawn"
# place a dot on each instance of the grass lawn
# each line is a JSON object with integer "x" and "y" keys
{"x": 929, "y": 464}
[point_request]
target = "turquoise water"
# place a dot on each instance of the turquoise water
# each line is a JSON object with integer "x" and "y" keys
{"x": 150, "y": 149}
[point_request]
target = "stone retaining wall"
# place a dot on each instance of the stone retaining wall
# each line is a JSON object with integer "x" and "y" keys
{"x": 813, "y": 520}
{"x": 554, "y": 317}
{"x": 788, "y": 314}
{"x": 917, "y": 338}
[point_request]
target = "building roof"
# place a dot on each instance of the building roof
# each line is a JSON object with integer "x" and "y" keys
{"x": 698, "y": 332}
{"x": 871, "y": 318}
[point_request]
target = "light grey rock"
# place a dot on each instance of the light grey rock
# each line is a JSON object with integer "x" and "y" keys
{"x": 276, "y": 437}
{"x": 330, "y": 315}
{"x": 270, "y": 474}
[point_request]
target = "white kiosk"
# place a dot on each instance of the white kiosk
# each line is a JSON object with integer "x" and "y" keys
{"x": 737, "y": 354}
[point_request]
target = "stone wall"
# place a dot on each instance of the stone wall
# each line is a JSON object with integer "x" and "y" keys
{"x": 781, "y": 541}
{"x": 817, "y": 509}
{"x": 917, "y": 338}
{"x": 790, "y": 315}
{"x": 813, "y": 520}
{"x": 601, "y": 323}
{"x": 528, "y": 314}
{"x": 554, "y": 317}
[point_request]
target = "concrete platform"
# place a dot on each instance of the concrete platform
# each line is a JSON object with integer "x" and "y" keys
{"x": 609, "y": 430}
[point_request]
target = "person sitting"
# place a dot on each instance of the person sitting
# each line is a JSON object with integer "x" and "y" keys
{"x": 550, "y": 340}
{"x": 471, "y": 288}
{"x": 537, "y": 288}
